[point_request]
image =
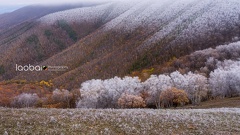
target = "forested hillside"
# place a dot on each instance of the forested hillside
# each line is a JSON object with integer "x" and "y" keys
{"x": 116, "y": 38}
{"x": 99, "y": 41}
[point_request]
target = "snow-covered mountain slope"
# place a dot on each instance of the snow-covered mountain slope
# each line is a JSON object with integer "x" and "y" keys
{"x": 185, "y": 19}
{"x": 29, "y": 13}
{"x": 155, "y": 13}
{"x": 104, "y": 12}
{"x": 118, "y": 37}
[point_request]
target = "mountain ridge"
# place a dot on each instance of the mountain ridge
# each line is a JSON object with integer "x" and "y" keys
{"x": 33, "y": 12}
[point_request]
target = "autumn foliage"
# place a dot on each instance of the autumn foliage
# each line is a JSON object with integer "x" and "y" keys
{"x": 173, "y": 97}
{"x": 21, "y": 93}
{"x": 131, "y": 101}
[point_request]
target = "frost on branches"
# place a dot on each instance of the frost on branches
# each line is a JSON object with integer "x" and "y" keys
{"x": 105, "y": 93}
{"x": 25, "y": 100}
{"x": 224, "y": 81}
{"x": 130, "y": 92}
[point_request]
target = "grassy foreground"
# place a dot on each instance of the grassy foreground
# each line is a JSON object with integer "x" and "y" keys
{"x": 136, "y": 121}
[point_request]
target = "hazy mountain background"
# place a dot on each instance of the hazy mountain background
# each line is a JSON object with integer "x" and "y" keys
{"x": 7, "y": 9}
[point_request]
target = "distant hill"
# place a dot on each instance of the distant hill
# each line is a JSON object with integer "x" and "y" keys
{"x": 8, "y": 9}
{"x": 114, "y": 38}
{"x": 30, "y": 13}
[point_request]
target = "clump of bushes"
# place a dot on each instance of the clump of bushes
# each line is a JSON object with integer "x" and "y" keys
{"x": 25, "y": 100}
{"x": 58, "y": 99}
{"x": 173, "y": 97}
{"x": 131, "y": 101}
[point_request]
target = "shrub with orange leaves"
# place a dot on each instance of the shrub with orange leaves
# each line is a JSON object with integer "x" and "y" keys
{"x": 173, "y": 97}
{"x": 180, "y": 97}
{"x": 131, "y": 101}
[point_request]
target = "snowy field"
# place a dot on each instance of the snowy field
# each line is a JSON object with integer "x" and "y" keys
{"x": 136, "y": 121}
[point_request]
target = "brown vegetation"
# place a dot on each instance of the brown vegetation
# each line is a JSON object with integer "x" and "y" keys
{"x": 48, "y": 98}
{"x": 173, "y": 97}
{"x": 131, "y": 101}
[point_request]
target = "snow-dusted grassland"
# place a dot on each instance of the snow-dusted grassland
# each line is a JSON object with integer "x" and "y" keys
{"x": 183, "y": 19}
{"x": 136, "y": 121}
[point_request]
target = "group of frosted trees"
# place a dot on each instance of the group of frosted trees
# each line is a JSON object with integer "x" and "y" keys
{"x": 158, "y": 91}
{"x": 116, "y": 92}
{"x": 130, "y": 92}
{"x": 105, "y": 93}
{"x": 58, "y": 99}
{"x": 224, "y": 81}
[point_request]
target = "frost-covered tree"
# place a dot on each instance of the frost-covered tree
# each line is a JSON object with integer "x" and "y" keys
{"x": 105, "y": 93}
{"x": 218, "y": 83}
{"x": 154, "y": 86}
{"x": 115, "y": 87}
{"x": 195, "y": 85}
{"x": 179, "y": 81}
{"x": 25, "y": 100}
{"x": 224, "y": 81}
{"x": 90, "y": 91}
